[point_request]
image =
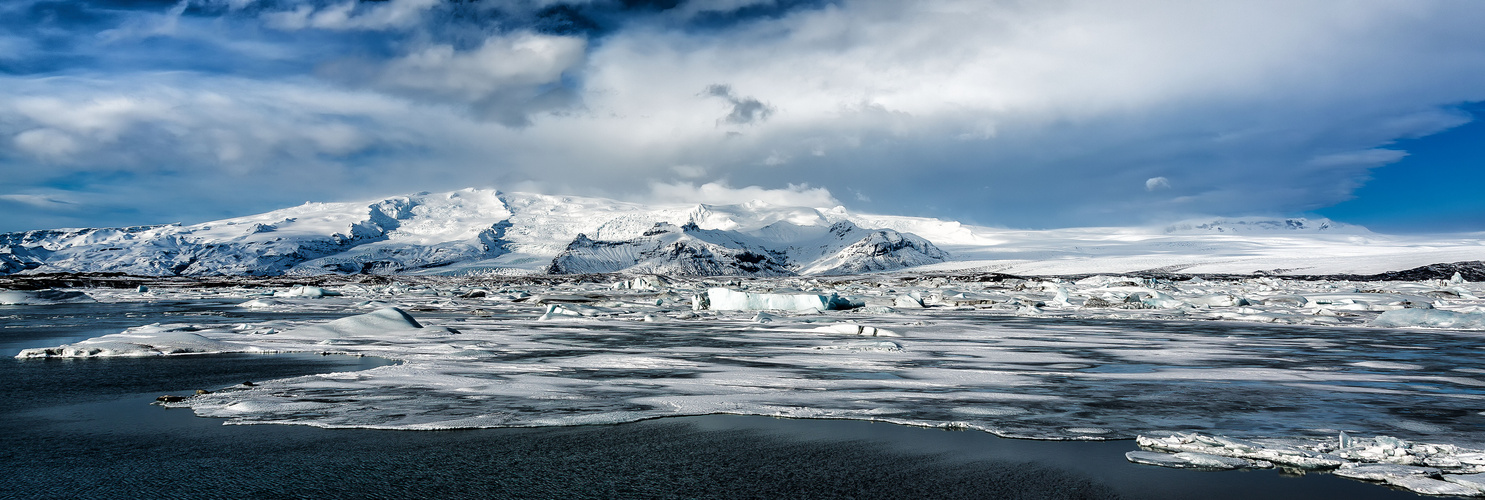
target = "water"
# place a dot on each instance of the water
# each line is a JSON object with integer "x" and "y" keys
{"x": 85, "y": 429}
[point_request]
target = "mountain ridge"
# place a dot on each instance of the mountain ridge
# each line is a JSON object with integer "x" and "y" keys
{"x": 488, "y": 232}
{"x": 469, "y": 231}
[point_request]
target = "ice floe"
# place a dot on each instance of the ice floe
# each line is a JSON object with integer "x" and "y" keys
{"x": 1430, "y": 469}
{"x": 42, "y": 297}
{"x": 149, "y": 340}
{"x": 1431, "y": 318}
{"x": 723, "y": 299}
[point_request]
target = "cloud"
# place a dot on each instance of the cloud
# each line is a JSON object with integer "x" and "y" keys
{"x": 38, "y": 200}
{"x": 745, "y": 110}
{"x": 148, "y": 25}
{"x": 220, "y": 125}
{"x": 719, "y": 193}
{"x": 1155, "y": 183}
{"x": 688, "y": 171}
{"x": 1366, "y": 158}
{"x": 507, "y": 78}
{"x": 973, "y": 110}
{"x": 349, "y": 15}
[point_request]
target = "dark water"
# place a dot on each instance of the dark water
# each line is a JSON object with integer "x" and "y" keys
{"x": 85, "y": 429}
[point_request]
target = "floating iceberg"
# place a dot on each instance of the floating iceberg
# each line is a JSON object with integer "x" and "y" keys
{"x": 1430, "y": 318}
{"x": 385, "y": 322}
{"x": 1193, "y": 460}
{"x": 854, "y": 329}
{"x": 722, "y": 299}
{"x": 260, "y": 303}
{"x": 149, "y": 340}
{"x": 306, "y": 291}
{"x": 41, "y": 297}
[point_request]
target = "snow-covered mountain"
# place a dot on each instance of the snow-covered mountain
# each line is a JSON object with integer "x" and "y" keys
{"x": 478, "y": 232}
{"x": 1251, "y": 225}
{"x": 779, "y": 249}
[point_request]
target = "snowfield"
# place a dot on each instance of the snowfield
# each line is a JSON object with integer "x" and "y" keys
{"x": 1280, "y": 367}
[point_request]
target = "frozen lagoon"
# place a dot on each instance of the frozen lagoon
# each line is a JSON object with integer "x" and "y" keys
{"x": 1060, "y": 373}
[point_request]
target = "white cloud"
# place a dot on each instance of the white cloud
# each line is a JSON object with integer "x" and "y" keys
{"x": 1365, "y": 158}
{"x": 244, "y": 125}
{"x": 350, "y": 15}
{"x": 719, "y": 193}
{"x": 148, "y": 25}
{"x": 46, "y": 144}
{"x": 41, "y": 200}
{"x": 1154, "y": 183}
{"x": 523, "y": 59}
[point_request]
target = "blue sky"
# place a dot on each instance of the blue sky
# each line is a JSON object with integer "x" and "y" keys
{"x": 1005, "y": 113}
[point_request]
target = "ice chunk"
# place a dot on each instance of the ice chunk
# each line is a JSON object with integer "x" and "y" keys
{"x": 149, "y": 340}
{"x": 259, "y": 303}
{"x": 854, "y": 329}
{"x": 1191, "y": 460}
{"x": 1286, "y": 300}
{"x": 1061, "y": 298}
{"x": 1430, "y": 318}
{"x": 41, "y": 297}
{"x": 864, "y": 345}
{"x": 378, "y": 322}
{"x": 646, "y": 282}
{"x": 305, "y": 291}
{"x": 723, "y": 299}
{"x": 1382, "y": 472}
{"x": 1476, "y": 481}
{"x": 1237, "y": 448}
{"x": 1216, "y": 300}
{"x": 909, "y": 301}
{"x": 1161, "y": 300}
{"x": 1457, "y": 279}
{"x": 571, "y": 311}
{"x": 1430, "y": 486}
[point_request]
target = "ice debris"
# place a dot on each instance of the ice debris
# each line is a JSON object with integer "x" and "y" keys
{"x": 1430, "y": 469}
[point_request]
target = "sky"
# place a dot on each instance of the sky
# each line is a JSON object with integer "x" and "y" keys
{"x": 1016, "y": 113}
